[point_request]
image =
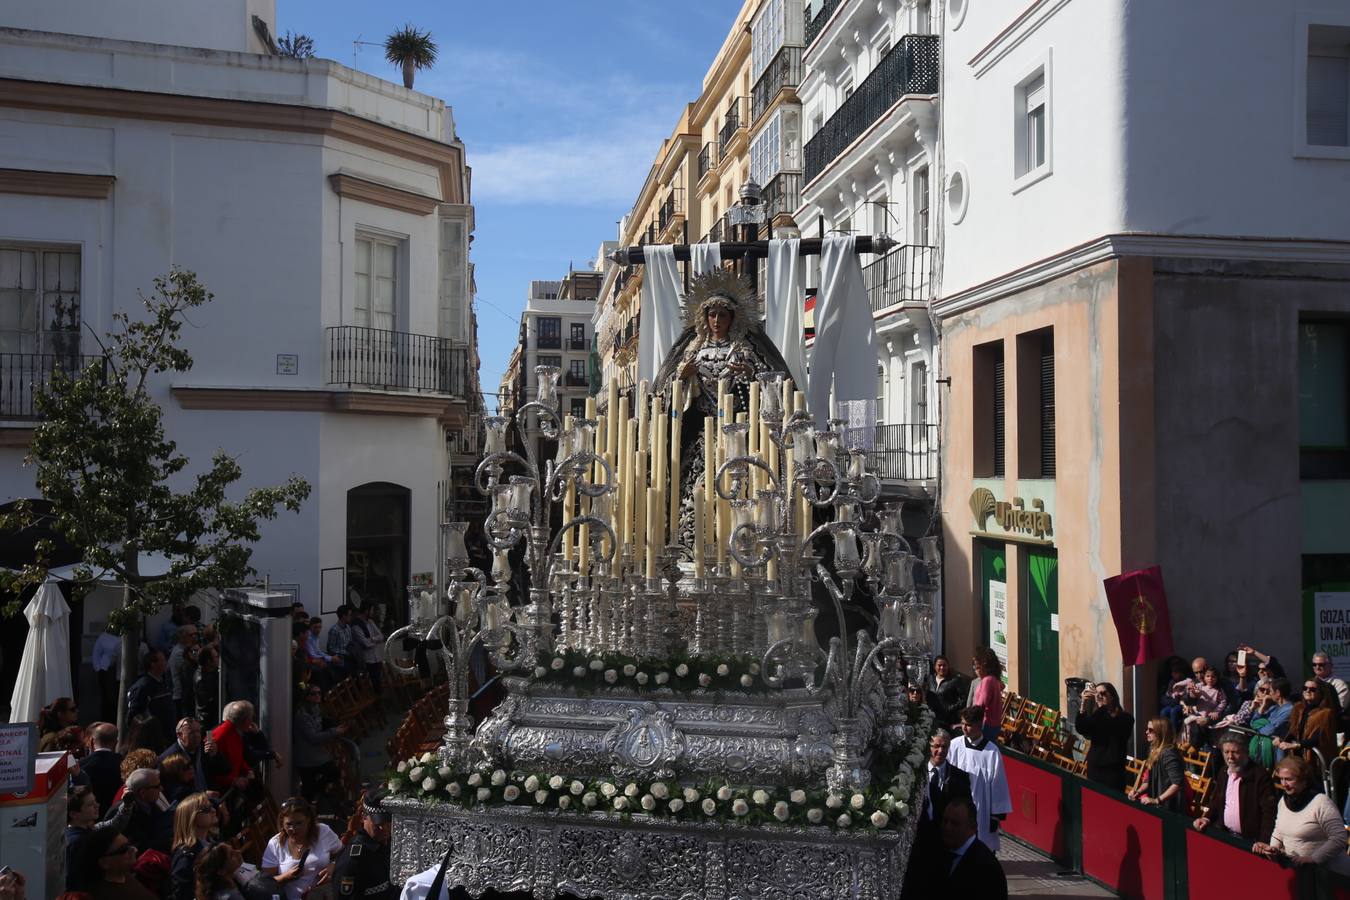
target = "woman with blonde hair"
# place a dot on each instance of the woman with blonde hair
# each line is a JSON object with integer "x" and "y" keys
{"x": 1308, "y": 827}
{"x": 1163, "y": 781}
{"x": 194, "y": 821}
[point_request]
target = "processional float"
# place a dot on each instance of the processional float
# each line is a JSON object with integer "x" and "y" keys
{"x": 672, "y": 727}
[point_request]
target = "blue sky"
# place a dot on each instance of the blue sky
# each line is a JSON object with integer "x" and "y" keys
{"x": 561, "y": 106}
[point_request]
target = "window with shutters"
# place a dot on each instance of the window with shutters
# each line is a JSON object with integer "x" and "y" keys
{"x": 920, "y": 206}
{"x": 1327, "y": 88}
{"x": 1036, "y": 404}
{"x": 987, "y": 408}
{"x": 918, "y": 393}
{"x": 549, "y": 336}
{"x": 578, "y": 405}
{"x": 377, "y": 266}
{"x": 1032, "y": 135}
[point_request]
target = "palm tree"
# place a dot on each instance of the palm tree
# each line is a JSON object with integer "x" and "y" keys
{"x": 411, "y": 49}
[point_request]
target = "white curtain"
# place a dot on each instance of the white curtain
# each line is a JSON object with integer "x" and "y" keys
{"x": 705, "y": 257}
{"x": 661, "y": 299}
{"x": 844, "y": 353}
{"x": 44, "y": 672}
{"x": 783, "y": 306}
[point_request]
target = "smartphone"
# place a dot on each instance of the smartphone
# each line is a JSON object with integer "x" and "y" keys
{"x": 1242, "y": 657}
{"x": 5, "y": 870}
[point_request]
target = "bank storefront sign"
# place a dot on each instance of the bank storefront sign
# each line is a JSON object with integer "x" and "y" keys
{"x": 1025, "y": 518}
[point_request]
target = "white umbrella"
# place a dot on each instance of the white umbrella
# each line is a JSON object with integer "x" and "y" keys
{"x": 44, "y": 673}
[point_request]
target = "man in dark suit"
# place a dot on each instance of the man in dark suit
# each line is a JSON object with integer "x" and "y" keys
{"x": 972, "y": 870}
{"x": 206, "y": 758}
{"x": 103, "y": 766}
{"x": 1246, "y": 782}
{"x": 940, "y": 782}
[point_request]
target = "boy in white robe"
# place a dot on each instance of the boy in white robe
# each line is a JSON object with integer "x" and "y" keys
{"x": 981, "y": 759}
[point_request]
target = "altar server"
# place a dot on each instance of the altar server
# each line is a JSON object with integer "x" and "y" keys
{"x": 980, "y": 758}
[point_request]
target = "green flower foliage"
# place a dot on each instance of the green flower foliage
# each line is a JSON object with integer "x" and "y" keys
{"x": 117, "y": 483}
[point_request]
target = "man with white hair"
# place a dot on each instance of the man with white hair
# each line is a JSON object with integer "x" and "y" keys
{"x": 1323, "y": 670}
{"x": 143, "y": 813}
{"x": 229, "y": 738}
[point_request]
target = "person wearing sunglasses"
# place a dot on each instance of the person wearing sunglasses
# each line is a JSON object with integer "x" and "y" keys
{"x": 110, "y": 858}
{"x": 1109, "y": 728}
{"x": 1313, "y": 723}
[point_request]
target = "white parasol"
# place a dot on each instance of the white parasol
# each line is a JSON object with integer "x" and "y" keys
{"x": 44, "y": 673}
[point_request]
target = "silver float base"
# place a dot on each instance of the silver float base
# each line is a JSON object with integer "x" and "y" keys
{"x": 595, "y": 855}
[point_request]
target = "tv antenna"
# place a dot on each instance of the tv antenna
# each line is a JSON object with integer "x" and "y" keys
{"x": 358, "y": 44}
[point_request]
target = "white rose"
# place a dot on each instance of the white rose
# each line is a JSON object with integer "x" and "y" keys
{"x": 682, "y": 670}
{"x": 402, "y": 767}
{"x": 416, "y": 774}
{"x": 857, "y": 801}
{"x": 555, "y": 782}
{"x": 557, "y": 664}
{"x": 578, "y": 671}
{"x": 723, "y": 670}
{"x": 675, "y": 806}
{"x": 541, "y": 797}
{"x": 902, "y": 809}
{"x": 880, "y": 819}
{"x": 395, "y": 784}
{"x": 709, "y": 807}
{"x": 428, "y": 757}
{"x": 475, "y": 780}
{"x": 532, "y": 784}
{"x": 454, "y": 789}
{"x": 690, "y": 795}
{"x": 446, "y": 773}
{"x": 798, "y": 796}
{"x": 781, "y": 812}
{"x": 760, "y": 797}
{"x": 629, "y": 670}
{"x": 641, "y": 678}
{"x": 483, "y": 794}
{"x": 611, "y": 676}
{"x": 834, "y": 801}
{"x": 540, "y": 671}
{"x": 902, "y": 793}
{"x": 564, "y": 802}
{"x": 843, "y": 821}
{"x": 511, "y": 793}
{"x": 621, "y": 803}
{"x": 815, "y": 815}
{"x": 754, "y": 668}
{"x": 630, "y": 790}
{"x": 608, "y": 790}
{"x": 498, "y": 778}
{"x": 648, "y": 802}
{"x": 659, "y": 790}
{"x": 597, "y": 664}
{"x": 747, "y": 681}
{"x": 662, "y": 677}
{"x": 704, "y": 679}
{"x": 577, "y": 788}
{"x": 589, "y": 799}
{"x": 739, "y": 807}
{"x": 429, "y": 784}
{"x": 724, "y": 793}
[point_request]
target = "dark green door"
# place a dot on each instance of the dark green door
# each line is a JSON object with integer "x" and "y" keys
{"x": 1041, "y": 600}
{"x": 993, "y": 563}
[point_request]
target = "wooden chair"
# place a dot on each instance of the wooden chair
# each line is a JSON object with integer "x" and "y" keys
{"x": 1199, "y": 785}
{"x": 1135, "y": 769}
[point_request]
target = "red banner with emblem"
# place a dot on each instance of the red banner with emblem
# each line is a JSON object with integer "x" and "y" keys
{"x": 1138, "y": 604}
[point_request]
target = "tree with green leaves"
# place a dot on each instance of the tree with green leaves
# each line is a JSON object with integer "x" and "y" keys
{"x": 119, "y": 488}
{"x": 410, "y": 49}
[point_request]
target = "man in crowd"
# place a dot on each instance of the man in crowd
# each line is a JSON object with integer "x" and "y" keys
{"x": 107, "y": 658}
{"x": 149, "y": 824}
{"x": 369, "y": 641}
{"x": 205, "y": 756}
{"x": 312, "y": 758}
{"x": 1242, "y": 799}
{"x": 1323, "y": 670}
{"x": 340, "y": 638}
{"x": 111, "y": 856}
{"x": 150, "y": 694}
{"x": 182, "y": 666}
{"x": 980, "y": 758}
{"x": 972, "y": 870}
{"x": 318, "y": 657}
{"x": 228, "y": 736}
{"x": 942, "y": 782}
{"x": 362, "y": 871}
{"x": 206, "y": 687}
{"x": 103, "y": 765}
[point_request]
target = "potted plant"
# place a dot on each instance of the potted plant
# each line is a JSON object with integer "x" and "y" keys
{"x": 411, "y": 49}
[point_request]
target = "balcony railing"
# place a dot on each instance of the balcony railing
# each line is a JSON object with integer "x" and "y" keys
{"x": 577, "y": 344}
{"x": 910, "y": 68}
{"x": 707, "y": 158}
{"x": 816, "y": 24}
{"x": 784, "y": 70}
{"x": 375, "y": 358}
{"x": 903, "y": 275}
{"x": 732, "y": 122}
{"x": 24, "y": 375}
{"x": 783, "y": 194}
{"x": 670, "y": 208}
{"x": 905, "y": 453}
{"x": 548, "y": 342}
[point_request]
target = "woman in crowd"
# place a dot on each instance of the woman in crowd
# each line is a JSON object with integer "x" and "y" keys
{"x": 135, "y": 759}
{"x": 1109, "y": 728}
{"x": 301, "y": 854}
{"x": 1313, "y": 723}
{"x": 177, "y": 777}
{"x": 947, "y": 691}
{"x": 194, "y": 821}
{"x": 987, "y": 691}
{"x": 215, "y": 874}
{"x": 1308, "y": 828}
{"x": 1270, "y": 721}
{"x": 55, "y": 718}
{"x": 1163, "y": 781}
{"x": 1202, "y": 704}
{"x": 1243, "y": 717}
{"x": 1244, "y": 681}
{"x": 916, "y": 696}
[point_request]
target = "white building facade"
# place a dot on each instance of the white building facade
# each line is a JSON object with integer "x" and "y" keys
{"x": 326, "y": 210}
{"x": 557, "y": 329}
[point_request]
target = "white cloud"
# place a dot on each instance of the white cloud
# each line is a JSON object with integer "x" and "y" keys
{"x": 603, "y": 169}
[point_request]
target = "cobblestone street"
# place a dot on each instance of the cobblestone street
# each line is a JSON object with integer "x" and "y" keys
{"x": 1032, "y": 874}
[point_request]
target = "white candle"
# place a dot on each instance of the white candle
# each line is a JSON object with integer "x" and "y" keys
{"x": 698, "y": 533}
{"x": 676, "y": 400}
{"x": 653, "y": 516}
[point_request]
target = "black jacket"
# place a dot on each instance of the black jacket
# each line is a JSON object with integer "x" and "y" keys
{"x": 978, "y": 874}
{"x": 951, "y": 697}
{"x": 362, "y": 871}
{"x": 1169, "y": 771}
{"x": 104, "y": 768}
{"x": 1110, "y": 737}
{"x": 152, "y": 696}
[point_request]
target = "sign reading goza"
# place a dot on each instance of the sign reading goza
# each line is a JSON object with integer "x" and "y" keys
{"x": 1011, "y": 520}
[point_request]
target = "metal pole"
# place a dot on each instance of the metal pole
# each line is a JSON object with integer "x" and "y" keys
{"x": 633, "y": 256}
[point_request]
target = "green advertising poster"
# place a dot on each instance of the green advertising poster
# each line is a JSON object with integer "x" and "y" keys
{"x": 1042, "y": 606}
{"x": 994, "y": 591}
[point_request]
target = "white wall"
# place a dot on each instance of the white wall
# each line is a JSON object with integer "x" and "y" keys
{"x": 213, "y": 24}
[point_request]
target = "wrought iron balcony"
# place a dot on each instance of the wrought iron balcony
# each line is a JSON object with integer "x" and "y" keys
{"x": 669, "y": 209}
{"x": 783, "y": 194}
{"x": 910, "y": 68}
{"x": 548, "y": 342}
{"x": 816, "y": 24}
{"x": 25, "y": 375}
{"x": 784, "y": 70}
{"x": 577, "y": 344}
{"x": 396, "y": 360}
{"x": 732, "y": 122}
{"x": 707, "y": 158}
{"x": 903, "y": 275}
{"x": 905, "y": 453}
{"x": 572, "y": 379}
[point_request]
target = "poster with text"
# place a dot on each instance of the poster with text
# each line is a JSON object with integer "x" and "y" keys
{"x": 1332, "y": 627}
{"x": 998, "y": 623}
